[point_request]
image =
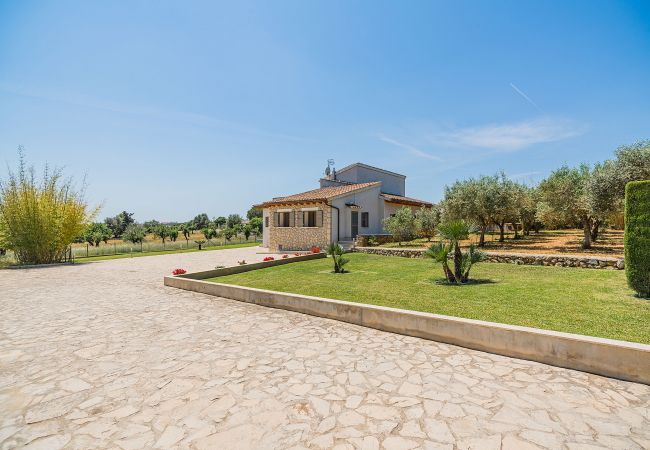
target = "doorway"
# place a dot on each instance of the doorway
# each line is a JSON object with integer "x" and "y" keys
{"x": 355, "y": 223}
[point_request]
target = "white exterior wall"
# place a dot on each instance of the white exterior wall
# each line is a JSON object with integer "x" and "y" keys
{"x": 369, "y": 201}
{"x": 265, "y": 229}
{"x": 390, "y": 183}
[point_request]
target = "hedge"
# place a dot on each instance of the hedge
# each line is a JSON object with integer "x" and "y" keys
{"x": 637, "y": 236}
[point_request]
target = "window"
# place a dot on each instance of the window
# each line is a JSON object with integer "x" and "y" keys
{"x": 309, "y": 218}
{"x": 266, "y": 221}
{"x": 364, "y": 220}
{"x": 283, "y": 219}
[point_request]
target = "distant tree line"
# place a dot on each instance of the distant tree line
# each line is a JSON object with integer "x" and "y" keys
{"x": 123, "y": 226}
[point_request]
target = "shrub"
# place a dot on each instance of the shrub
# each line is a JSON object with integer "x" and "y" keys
{"x": 637, "y": 236}
{"x": 401, "y": 225}
{"x": 315, "y": 249}
{"x": 40, "y": 219}
{"x": 285, "y": 256}
{"x": 426, "y": 221}
{"x": 336, "y": 252}
{"x": 178, "y": 272}
{"x": 269, "y": 258}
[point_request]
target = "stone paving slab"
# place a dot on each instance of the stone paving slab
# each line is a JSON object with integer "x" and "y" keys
{"x": 102, "y": 355}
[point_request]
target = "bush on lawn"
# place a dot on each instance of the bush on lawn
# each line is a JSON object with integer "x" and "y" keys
{"x": 637, "y": 236}
{"x": 336, "y": 252}
{"x": 39, "y": 219}
{"x": 401, "y": 225}
{"x": 451, "y": 233}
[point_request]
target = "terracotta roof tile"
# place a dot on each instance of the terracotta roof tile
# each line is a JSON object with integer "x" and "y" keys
{"x": 405, "y": 200}
{"x": 318, "y": 195}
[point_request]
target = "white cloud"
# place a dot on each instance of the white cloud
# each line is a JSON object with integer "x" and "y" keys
{"x": 413, "y": 150}
{"x": 512, "y": 136}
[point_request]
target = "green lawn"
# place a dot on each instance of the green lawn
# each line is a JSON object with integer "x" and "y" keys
{"x": 138, "y": 254}
{"x": 584, "y": 301}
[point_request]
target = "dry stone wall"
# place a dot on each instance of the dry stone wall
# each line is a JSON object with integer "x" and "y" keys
{"x": 586, "y": 262}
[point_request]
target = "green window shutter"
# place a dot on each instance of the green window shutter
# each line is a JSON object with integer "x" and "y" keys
{"x": 276, "y": 219}
{"x": 292, "y": 219}
{"x": 299, "y": 218}
{"x": 319, "y": 218}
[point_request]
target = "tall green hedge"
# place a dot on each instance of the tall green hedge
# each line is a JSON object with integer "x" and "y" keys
{"x": 637, "y": 236}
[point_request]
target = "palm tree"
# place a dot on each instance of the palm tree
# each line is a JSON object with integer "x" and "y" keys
{"x": 451, "y": 234}
{"x": 455, "y": 231}
{"x": 336, "y": 252}
{"x": 440, "y": 253}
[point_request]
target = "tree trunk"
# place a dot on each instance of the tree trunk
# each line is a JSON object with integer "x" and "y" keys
{"x": 594, "y": 230}
{"x": 481, "y": 241}
{"x": 516, "y": 230}
{"x": 448, "y": 275}
{"x": 458, "y": 256}
{"x": 502, "y": 236}
{"x": 586, "y": 225}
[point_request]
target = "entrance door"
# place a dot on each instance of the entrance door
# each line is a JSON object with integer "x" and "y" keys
{"x": 355, "y": 223}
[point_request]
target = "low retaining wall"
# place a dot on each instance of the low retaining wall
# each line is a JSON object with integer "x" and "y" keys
{"x": 607, "y": 357}
{"x": 587, "y": 262}
{"x": 248, "y": 267}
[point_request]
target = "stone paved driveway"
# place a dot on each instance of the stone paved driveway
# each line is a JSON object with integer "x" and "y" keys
{"x": 103, "y": 356}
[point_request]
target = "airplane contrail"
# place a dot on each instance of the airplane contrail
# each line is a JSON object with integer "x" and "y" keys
{"x": 527, "y": 98}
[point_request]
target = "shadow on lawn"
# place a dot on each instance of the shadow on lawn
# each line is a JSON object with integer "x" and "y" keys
{"x": 473, "y": 281}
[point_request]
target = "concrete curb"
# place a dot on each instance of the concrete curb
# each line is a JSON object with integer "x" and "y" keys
{"x": 248, "y": 267}
{"x": 611, "y": 358}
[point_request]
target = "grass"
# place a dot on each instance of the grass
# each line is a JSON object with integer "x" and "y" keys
{"x": 169, "y": 252}
{"x": 584, "y": 301}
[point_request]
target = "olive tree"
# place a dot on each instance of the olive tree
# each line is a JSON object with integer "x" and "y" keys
{"x": 233, "y": 221}
{"x": 565, "y": 198}
{"x": 426, "y": 221}
{"x": 401, "y": 225}
{"x": 96, "y": 233}
{"x": 134, "y": 233}
{"x": 220, "y": 222}
{"x": 161, "y": 232}
{"x": 474, "y": 200}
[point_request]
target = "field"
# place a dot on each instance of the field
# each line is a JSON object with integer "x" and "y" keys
{"x": 152, "y": 245}
{"x": 534, "y": 296}
{"x": 610, "y": 243}
{"x": 117, "y": 248}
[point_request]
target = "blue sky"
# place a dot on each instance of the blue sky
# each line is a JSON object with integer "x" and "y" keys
{"x": 176, "y": 108}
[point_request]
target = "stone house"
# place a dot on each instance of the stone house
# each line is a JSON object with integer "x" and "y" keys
{"x": 349, "y": 203}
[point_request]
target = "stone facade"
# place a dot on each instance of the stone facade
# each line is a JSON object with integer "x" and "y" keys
{"x": 299, "y": 238}
{"x": 585, "y": 262}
